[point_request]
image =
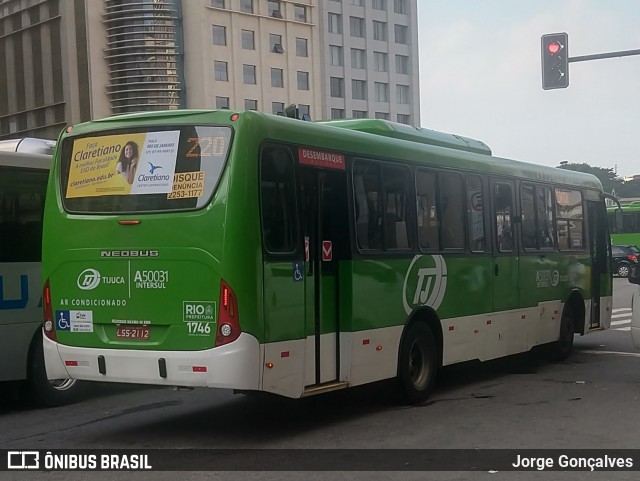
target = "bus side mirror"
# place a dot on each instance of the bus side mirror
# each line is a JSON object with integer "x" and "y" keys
{"x": 634, "y": 274}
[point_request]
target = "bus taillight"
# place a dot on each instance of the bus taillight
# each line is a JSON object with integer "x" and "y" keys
{"x": 48, "y": 320}
{"x": 228, "y": 318}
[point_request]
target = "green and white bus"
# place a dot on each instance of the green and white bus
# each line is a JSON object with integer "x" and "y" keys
{"x": 259, "y": 252}
{"x": 24, "y": 170}
{"x": 629, "y": 232}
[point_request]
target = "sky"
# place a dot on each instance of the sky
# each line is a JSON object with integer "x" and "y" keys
{"x": 480, "y": 77}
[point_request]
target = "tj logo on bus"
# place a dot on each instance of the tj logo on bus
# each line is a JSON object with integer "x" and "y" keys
{"x": 425, "y": 283}
{"x": 90, "y": 279}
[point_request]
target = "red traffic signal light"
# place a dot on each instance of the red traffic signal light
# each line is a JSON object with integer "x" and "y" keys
{"x": 555, "y": 61}
{"x": 554, "y": 48}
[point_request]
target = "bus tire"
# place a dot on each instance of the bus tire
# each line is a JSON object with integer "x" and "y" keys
{"x": 563, "y": 347}
{"x": 42, "y": 392}
{"x": 417, "y": 363}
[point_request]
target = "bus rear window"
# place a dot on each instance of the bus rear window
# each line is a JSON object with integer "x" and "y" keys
{"x": 143, "y": 170}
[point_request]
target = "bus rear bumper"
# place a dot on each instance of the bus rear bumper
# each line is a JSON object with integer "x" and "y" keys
{"x": 235, "y": 365}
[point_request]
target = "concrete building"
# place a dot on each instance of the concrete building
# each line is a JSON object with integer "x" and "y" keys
{"x": 370, "y": 60}
{"x": 252, "y": 54}
{"x": 68, "y": 61}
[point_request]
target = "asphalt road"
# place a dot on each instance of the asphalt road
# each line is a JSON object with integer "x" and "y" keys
{"x": 523, "y": 402}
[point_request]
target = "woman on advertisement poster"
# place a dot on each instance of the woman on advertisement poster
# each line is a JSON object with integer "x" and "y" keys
{"x": 128, "y": 161}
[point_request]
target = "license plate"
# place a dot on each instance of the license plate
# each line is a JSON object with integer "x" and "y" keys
{"x": 141, "y": 333}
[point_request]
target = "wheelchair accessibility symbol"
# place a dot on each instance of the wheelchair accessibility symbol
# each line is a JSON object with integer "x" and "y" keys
{"x": 298, "y": 271}
{"x": 63, "y": 321}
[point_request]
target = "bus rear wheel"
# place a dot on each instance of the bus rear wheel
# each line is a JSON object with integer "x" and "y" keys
{"x": 564, "y": 345}
{"x": 41, "y": 391}
{"x": 418, "y": 363}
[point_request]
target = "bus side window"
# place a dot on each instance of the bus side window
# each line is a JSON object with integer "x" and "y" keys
{"x": 544, "y": 216}
{"x": 32, "y": 246}
{"x": 503, "y": 204}
{"x": 10, "y": 241}
{"x": 428, "y": 220}
{"x": 569, "y": 218}
{"x": 362, "y": 211}
{"x": 475, "y": 213}
{"x": 21, "y": 208}
{"x": 367, "y": 191}
{"x": 537, "y": 217}
{"x": 396, "y": 208}
{"x": 528, "y": 212}
{"x": 277, "y": 200}
{"x": 451, "y": 197}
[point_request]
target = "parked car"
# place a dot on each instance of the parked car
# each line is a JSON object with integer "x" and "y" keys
{"x": 623, "y": 258}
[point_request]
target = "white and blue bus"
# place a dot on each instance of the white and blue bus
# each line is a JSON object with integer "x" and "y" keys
{"x": 24, "y": 170}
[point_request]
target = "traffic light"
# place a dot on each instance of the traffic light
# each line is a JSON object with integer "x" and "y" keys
{"x": 555, "y": 61}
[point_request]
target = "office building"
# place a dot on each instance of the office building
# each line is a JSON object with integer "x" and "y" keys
{"x": 68, "y": 61}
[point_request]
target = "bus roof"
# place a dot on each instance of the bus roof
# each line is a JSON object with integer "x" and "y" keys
{"x": 28, "y": 145}
{"x": 413, "y": 134}
{"x": 392, "y": 141}
{"x": 630, "y": 207}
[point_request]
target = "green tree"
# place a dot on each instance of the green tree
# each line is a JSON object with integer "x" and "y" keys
{"x": 630, "y": 189}
{"x": 607, "y": 176}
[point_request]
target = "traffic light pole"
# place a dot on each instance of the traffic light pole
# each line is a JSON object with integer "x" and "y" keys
{"x": 597, "y": 56}
{"x": 555, "y": 59}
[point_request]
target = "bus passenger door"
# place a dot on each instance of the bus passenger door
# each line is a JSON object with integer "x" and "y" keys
{"x": 283, "y": 280}
{"x": 325, "y": 233}
{"x": 599, "y": 248}
{"x": 505, "y": 248}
